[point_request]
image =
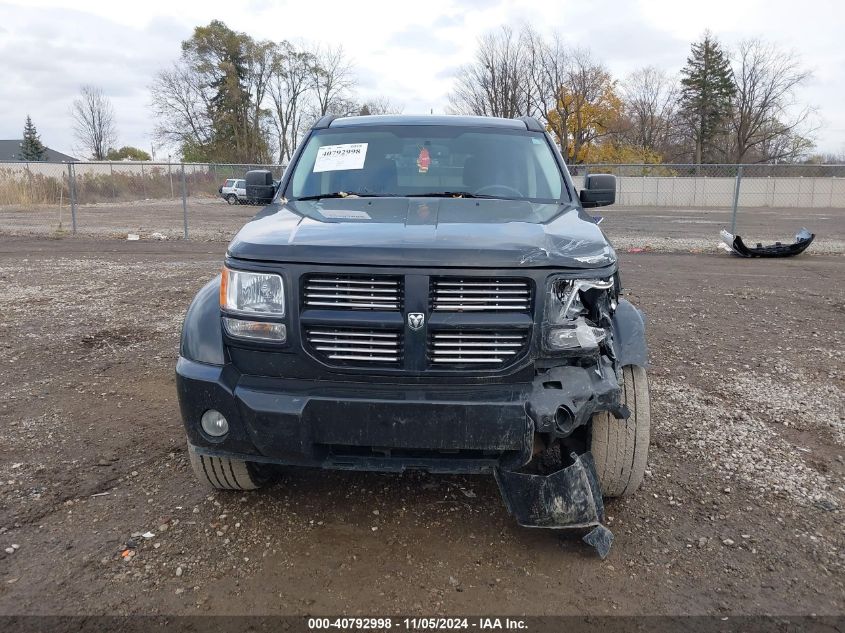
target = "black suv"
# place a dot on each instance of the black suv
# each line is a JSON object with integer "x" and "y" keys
{"x": 424, "y": 293}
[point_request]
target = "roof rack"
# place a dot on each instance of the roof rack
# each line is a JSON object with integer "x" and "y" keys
{"x": 531, "y": 123}
{"x": 324, "y": 122}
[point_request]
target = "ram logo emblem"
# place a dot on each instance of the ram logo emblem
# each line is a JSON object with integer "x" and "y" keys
{"x": 416, "y": 320}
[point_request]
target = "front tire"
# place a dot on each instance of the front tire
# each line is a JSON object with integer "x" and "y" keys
{"x": 620, "y": 447}
{"x": 223, "y": 473}
{"x": 232, "y": 199}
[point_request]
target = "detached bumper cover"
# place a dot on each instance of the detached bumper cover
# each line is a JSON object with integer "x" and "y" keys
{"x": 803, "y": 239}
{"x": 568, "y": 498}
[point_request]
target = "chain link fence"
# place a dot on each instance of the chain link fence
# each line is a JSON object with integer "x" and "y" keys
{"x": 654, "y": 202}
{"x": 688, "y": 204}
{"x": 113, "y": 199}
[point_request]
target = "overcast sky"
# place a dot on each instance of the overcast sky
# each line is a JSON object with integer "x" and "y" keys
{"x": 407, "y": 51}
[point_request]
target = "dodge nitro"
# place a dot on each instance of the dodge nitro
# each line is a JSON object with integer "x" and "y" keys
{"x": 424, "y": 292}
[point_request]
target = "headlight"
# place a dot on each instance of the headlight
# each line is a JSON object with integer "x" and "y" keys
{"x": 567, "y": 327}
{"x": 565, "y": 301}
{"x": 252, "y": 293}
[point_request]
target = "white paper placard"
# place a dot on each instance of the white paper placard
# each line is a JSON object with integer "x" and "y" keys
{"x": 340, "y": 157}
{"x": 337, "y": 214}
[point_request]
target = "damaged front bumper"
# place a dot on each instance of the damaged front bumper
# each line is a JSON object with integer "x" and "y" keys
{"x": 392, "y": 427}
{"x": 568, "y": 498}
{"x": 441, "y": 429}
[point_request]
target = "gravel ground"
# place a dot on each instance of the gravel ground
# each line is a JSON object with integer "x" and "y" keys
{"x": 658, "y": 229}
{"x": 740, "y": 513}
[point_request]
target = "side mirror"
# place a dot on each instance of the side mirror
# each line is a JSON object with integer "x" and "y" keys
{"x": 599, "y": 190}
{"x": 260, "y": 188}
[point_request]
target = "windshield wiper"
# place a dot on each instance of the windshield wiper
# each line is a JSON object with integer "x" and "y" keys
{"x": 451, "y": 194}
{"x": 345, "y": 194}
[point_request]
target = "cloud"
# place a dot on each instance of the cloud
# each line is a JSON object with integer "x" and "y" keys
{"x": 423, "y": 39}
{"x": 53, "y": 53}
{"x": 50, "y": 52}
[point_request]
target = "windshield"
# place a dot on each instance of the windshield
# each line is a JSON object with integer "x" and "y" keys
{"x": 427, "y": 160}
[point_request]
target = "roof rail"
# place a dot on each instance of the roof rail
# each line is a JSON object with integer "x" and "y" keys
{"x": 531, "y": 123}
{"x": 324, "y": 122}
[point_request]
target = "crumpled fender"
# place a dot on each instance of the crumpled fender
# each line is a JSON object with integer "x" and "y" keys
{"x": 629, "y": 344}
{"x": 202, "y": 336}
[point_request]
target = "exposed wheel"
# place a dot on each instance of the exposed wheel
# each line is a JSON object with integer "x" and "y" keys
{"x": 232, "y": 199}
{"x": 224, "y": 473}
{"x": 620, "y": 447}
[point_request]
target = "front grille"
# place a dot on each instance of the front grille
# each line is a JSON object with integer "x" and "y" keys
{"x": 455, "y": 294}
{"x": 355, "y": 345}
{"x": 489, "y": 348}
{"x": 356, "y": 292}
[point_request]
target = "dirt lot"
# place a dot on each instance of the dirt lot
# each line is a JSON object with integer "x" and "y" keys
{"x": 741, "y": 512}
{"x": 662, "y": 229}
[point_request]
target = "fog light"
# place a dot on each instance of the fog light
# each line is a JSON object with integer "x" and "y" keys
{"x": 214, "y": 423}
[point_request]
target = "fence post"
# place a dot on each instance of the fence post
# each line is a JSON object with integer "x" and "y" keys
{"x": 170, "y": 175}
{"x": 143, "y": 182}
{"x": 31, "y": 188}
{"x": 71, "y": 181}
{"x": 736, "y": 197}
{"x": 184, "y": 202}
{"x": 111, "y": 177}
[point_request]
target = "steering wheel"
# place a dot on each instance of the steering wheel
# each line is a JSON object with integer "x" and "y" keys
{"x": 513, "y": 190}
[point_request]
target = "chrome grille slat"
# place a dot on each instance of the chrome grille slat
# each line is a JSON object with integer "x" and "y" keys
{"x": 350, "y": 333}
{"x": 354, "y": 341}
{"x": 338, "y": 304}
{"x": 357, "y": 345}
{"x": 450, "y": 294}
{"x": 462, "y": 347}
{"x": 357, "y": 292}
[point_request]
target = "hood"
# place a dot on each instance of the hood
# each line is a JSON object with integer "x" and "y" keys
{"x": 428, "y": 232}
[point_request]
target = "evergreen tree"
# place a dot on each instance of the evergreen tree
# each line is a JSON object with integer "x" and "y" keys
{"x": 32, "y": 148}
{"x": 707, "y": 87}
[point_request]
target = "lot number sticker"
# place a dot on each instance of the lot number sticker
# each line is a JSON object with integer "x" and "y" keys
{"x": 340, "y": 157}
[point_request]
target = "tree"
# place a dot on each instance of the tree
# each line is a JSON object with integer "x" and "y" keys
{"x": 212, "y": 101}
{"x": 380, "y": 105}
{"x": 587, "y": 108}
{"x": 332, "y": 81}
{"x": 649, "y": 98}
{"x": 127, "y": 153}
{"x": 707, "y": 89}
{"x": 549, "y": 66}
{"x": 497, "y": 83}
{"x": 764, "y": 105}
{"x": 93, "y": 122}
{"x": 232, "y": 72}
{"x": 31, "y": 147}
{"x": 290, "y": 85}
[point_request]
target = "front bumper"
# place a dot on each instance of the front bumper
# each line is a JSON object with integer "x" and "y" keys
{"x": 368, "y": 426}
{"x": 360, "y": 426}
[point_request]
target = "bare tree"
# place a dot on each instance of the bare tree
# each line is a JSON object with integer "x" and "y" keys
{"x": 260, "y": 65}
{"x": 765, "y": 104}
{"x": 332, "y": 80}
{"x": 650, "y": 99}
{"x": 181, "y": 107}
{"x": 497, "y": 83}
{"x": 548, "y": 69}
{"x": 93, "y": 122}
{"x": 380, "y": 105}
{"x": 290, "y": 85}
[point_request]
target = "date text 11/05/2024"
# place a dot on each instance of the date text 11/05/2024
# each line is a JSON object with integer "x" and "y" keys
{"x": 417, "y": 624}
